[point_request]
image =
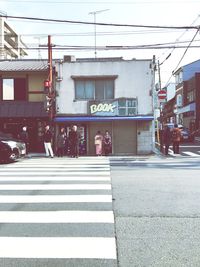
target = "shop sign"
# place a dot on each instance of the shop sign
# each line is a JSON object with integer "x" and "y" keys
{"x": 102, "y": 108}
{"x": 117, "y": 107}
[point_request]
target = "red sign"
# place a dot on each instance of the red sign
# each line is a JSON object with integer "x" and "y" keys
{"x": 162, "y": 94}
{"x": 47, "y": 83}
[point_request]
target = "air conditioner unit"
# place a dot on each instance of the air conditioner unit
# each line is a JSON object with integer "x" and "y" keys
{"x": 69, "y": 58}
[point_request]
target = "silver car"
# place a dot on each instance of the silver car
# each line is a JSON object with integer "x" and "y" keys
{"x": 15, "y": 149}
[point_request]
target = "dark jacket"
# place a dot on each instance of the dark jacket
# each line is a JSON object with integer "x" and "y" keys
{"x": 167, "y": 136}
{"x": 61, "y": 138}
{"x": 47, "y": 136}
{"x": 176, "y": 135}
{"x": 23, "y": 136}
{"x": 73, "y": 137}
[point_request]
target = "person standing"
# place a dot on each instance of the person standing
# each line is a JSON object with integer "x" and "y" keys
{"x": 61, "y": 139}
{"x": 166, "y": 139}
{"x": 74, "y": 142}
{"x": 107, "y": 143}
{"x": 23, "y": 136}
{"x": 47, "y": 142}
{"x": 176, "y": 138}
{"x": 98, "y": 140}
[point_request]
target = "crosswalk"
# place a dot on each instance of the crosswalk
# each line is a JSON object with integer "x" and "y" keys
{"x": 57, "y": 212}
{"x": 185, "y": 153}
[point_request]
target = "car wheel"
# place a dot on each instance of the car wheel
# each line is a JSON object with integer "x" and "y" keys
{"x": 14, "y": 155}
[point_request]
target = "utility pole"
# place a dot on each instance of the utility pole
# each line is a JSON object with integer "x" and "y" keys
{"x": 50, "y": 63}
{"x": 159, "y": 76}
{"x": 50, "y": 70}
{"x": 48, "y": 84}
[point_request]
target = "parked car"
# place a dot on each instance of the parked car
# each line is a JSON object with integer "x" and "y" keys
{"x": 196, "y": 135}
{"x": 11, "y": 148}
{"x": 186, "y": 135}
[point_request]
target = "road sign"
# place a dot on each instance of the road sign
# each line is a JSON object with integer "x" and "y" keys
{"x": 162, "y": 94}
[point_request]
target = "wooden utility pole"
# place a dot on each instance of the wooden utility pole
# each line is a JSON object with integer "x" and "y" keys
{"x": 50, "y": 63}
{"x": 50, "y": 78}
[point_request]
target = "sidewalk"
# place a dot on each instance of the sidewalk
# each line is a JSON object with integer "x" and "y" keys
{"x": 129, "y": 157}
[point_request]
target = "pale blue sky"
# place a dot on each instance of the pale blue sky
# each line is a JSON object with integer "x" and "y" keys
{"x": 141, "y": 12}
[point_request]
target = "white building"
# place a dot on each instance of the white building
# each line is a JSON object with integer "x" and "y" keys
{"x": 107, "y": 94}
{"x": 11, "y": 45}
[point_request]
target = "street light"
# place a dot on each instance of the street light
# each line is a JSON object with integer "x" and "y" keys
{"x": 94, "y": 13}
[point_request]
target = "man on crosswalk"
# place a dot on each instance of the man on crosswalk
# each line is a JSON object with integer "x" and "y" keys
{"x": 176, "y": 138}
{"x": 47, "y": 142}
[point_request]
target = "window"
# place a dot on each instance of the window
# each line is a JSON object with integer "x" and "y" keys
{"x": 84, "y": 89}
{"x": 190, "y": 96}
{"x": 179, "y": 77}
{"x": 179, "y": 100}
{"x": 127, "y": 107}
{"x": 94, "y": 89}
{"x": 8, "y": 89}
{"x": 14, "y": 89}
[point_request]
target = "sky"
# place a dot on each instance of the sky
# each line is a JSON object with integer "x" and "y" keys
{"x": 127, "y": 12}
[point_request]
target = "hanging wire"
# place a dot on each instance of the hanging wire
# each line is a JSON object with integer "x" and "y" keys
{"x": 182, "y": 56}
{"x": 177, "y": 40}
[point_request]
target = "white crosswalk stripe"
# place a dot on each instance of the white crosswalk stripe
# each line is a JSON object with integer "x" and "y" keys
{"x": 57, "y": 209}
{"x": 189, "y": 153}
{"x": 184, "y": 153}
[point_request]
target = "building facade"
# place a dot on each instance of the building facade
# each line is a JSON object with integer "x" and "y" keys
{"x": 107, "y": 94}
{"x": 187, "y": 95}
{"x": 22, "y": 99}
{"x": 11, "y": 45}
{"x": 191, "y": 101}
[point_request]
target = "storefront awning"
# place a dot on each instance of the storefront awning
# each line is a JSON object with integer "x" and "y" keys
{"x": 100, "y": 118}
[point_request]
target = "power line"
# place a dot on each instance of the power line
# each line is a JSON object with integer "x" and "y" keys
{"x": 143, "y": 47}
{"x": 189, "y": 46}
{"x": 186, "y": 51}
{"x": 100, "y": 2}
{"x": 99, "y": 33}
{"x": 177, "y": 41}
{"x": 101, "y": 24}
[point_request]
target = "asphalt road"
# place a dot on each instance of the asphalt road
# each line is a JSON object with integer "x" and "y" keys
{"x": 157, "y": 211}
{"x": 59, "y": 212}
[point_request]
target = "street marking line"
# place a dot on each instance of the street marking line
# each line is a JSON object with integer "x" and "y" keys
{"x": 58, "y": 247}
{"x": 60, "y": 162}
{"x": 21, "y": 165}
{"x": 55, "y": 178}
{"x": 55, "y": 187}
{"x": 58, "y": 174}
{"x": 190, "y": 154}
{"x": 56, "y": 216}
{"x": 44, "y": 169}
{"x": 54, "y": 198}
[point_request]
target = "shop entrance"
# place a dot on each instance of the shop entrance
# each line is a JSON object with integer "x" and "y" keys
{"x": 125, "y": 137}
{"x": 93, "y": 128}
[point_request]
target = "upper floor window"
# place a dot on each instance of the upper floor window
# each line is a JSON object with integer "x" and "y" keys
{"x": 190, "y": 96}
{"x": 179, "y": 100}
{"x": 179, "y": 78}
{"x": 127, "y": 107}
{"x": 14, "y": 89}
{"x": 94, "y": 89}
